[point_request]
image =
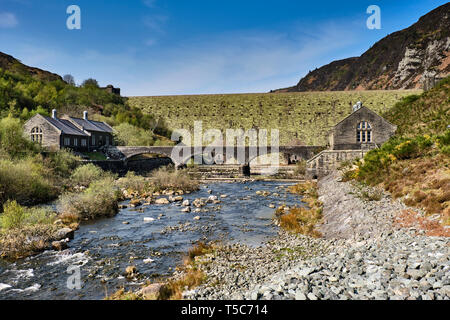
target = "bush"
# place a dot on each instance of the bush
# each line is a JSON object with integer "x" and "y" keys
{"x": 129, "y": 135}
{"x": 63, "y": 162}
{"x": 133, "y": 182}
{"x": 12, "y": 139}
{"x": 99, "y": 200}
{"x": 166, "y": 178}
{"x": 15, "y": 216}
{"x": 26, "y": 181}
{"x": 84, "y": 175}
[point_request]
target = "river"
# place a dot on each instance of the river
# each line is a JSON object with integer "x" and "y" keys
{"x": 103, "y": 249}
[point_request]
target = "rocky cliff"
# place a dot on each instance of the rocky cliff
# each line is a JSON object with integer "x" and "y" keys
{"x": 407, "y": 59}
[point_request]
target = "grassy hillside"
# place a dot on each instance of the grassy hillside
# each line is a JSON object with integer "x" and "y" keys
{"x": 25, "y": 91}
{"x": 428, "y": 113}
{"x": 305, "y": 117}
{"x": 415, "y": 164}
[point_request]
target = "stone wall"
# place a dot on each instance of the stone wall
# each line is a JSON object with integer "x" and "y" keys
{"x": 329, "y": 160}
{"x": 50, "y": 135}
{"x": 344, "y": 133}
{"x": 122, "y": 167}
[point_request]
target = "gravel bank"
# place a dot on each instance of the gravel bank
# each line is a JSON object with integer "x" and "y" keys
{"x": 362, "y": 256}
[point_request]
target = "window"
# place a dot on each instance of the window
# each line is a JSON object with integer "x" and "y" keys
{"x": 75, "y": 142}
{"x": 107, "y": 140}
{"x": 83, "y": 143}
{"x": 36, "y": 135}
{"x": 93, "y": 140}
{"x": 67, "y": 141}
{"x": 364, "y": 132}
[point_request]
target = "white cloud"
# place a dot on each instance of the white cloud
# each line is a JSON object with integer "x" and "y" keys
{"x": 156, "y": 22}
{"x": 149, "y": 3}
{"x": 250, "y": 61}
{"x": 150, "y": 42}
{"x": 241, "y": 61}
{"x": 8, "y": 20}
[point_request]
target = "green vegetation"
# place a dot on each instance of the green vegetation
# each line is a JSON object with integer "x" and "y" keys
{"x": 302, "y": 220}
{"x": 86, "y": 174}
{"x": 306, "y": 116}
{"x": 167, "y": 178}
{"x": 428, "y": 113}
{"x": 23, "y": 95}
{"x": 415, "y": 163}
{"x": 15, "y": 216}
{"x": 100, "y": 199}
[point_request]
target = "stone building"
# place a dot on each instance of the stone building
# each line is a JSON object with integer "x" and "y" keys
{"x": 78, "y": 134}
{"x": 363, "y": 129}
{"x": 110, "y": 88}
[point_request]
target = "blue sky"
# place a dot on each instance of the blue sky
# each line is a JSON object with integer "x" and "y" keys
{"x": 162, "y": 47}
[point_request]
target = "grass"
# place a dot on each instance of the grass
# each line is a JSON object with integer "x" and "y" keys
{"x": 167, "y": 178}
{"x": 86, "y": 174}
{"x": 95, "y": 155}
{"x": 303, "y": 220}
{"x": 24, "y": 231}
{"x": 306, "y": 116}
{"x": 173, "y": 289}
{"x": 191, "y": 277}
{"x": 99, "y": 200}
{"x": 414, "y": 165}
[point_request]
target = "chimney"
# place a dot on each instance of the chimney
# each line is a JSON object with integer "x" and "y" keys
{"x": 85, "y": 115}
{"x": 54, "y": 113}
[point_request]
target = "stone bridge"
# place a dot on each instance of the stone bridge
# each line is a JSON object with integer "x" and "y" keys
{"x": 243, "y": 155}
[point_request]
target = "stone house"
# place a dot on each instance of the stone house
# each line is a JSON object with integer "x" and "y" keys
{"x": 79, "y": 134}
{"x": 362, "y": 129}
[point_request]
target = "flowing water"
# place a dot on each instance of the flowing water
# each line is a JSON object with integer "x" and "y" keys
{"x": 154, "y": 240}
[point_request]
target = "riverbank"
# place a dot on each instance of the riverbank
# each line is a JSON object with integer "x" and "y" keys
{"x": 365, "y": 253}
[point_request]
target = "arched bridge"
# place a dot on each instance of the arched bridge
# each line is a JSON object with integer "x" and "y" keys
{"x": 244, "y": 155}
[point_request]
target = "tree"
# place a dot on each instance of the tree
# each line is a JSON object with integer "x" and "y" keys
{"x": 69, "y": 79}
{"x": 90, "y": 83}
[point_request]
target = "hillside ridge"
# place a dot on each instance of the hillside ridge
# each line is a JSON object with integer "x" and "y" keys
{"x": 412, "y": 58}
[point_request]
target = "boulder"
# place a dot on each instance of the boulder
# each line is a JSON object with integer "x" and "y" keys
{"x": 59, "y": 245}
{"x": 64, "y": 233}
{"x": 186, "y": 203}
{"x": 186, "y": 209}
{"x": 151, "y": 291}
{"x": 162, "y": 201}
{"x": 130, "y": 271}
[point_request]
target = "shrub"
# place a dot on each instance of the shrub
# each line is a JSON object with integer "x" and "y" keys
{"x": 99, "y": 200}
{"x": 63, "y": 162}
{"x": 300, "y": 168}
{"x": 84, "y": 175}
{"x": 129, "y": 135}
{"x": 166, "y": 178}
{"x": 26, "y": 181}
{"x": 12, "y": 139}
{"x": 13, "y": 216}
{"x": 133, "y": 182}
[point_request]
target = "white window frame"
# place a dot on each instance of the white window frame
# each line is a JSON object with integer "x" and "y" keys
{"x": 364, "y": 132}
{"x": 66, "y": 141}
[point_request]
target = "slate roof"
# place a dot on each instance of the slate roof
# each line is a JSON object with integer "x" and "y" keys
{"x": 66, "y": 127}
{"x": 90, "y": 125}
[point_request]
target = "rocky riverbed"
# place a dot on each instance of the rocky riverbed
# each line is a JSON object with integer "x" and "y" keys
{"x": 363, "y": 255}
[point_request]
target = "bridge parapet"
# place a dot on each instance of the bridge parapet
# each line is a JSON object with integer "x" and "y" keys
{"x": 243, "y": 154}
